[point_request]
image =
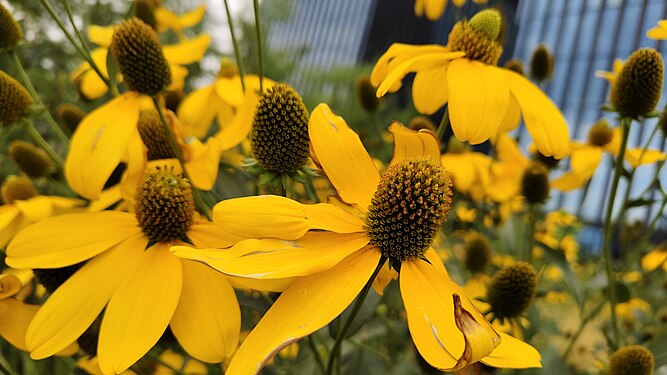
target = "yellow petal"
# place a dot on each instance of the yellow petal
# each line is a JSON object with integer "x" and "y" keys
{"x": 140, "y": 309}
{"x": 543, "y": 119}
{"x": 342, "y": 156}
{"x": 135, "y": 158}
{"x": 410, "y": 143}
{"x": 73, "y": 307}
{"x": 166, "y": 19}
{"x": 478, "y": 100}
{"x": 99, "y": 143}
{"x": 207, "y": 320}
{"x": 419, "y": 62}
{"x": 230, "y": 90}
{"x": 512, "y": 116}
{"x": 206, "y": 234}
{"x": 108, "y": 198}
{"x": 637, "y": 157}
{"x": 585, "y": 161}
{"x": 15, "y": 316}
{"x": 50, "y": 243}
{"x": 429, "y": 90}
{"x": 197, "y": 111}
{"x": 192, "y": 17}
{"x": 204, "y": 162}
{"x": 178, "y": 74}
{"x": 513, "y": 353}
{"x": 187, "y": 51}
{"x": 396, "y": 54}
{"x": 91, "y": 85}
{"x": 11, "y": 221}
{"x": 278, "y": 259}
{"x": 307, "y": 305}
{"x": 654, "y": 259}
{"x": 659, "y": 32}
{"x": 435, "y": 9}
{"x": 568, "y": 181}
{"x": 36, "y": 208}
{"x": 279, "y": 217}
{"x": 262, "y": 285}
{"x": 13, "y": 280}
{"x": 445, "y": 326}
{"x": 100, "y": 35}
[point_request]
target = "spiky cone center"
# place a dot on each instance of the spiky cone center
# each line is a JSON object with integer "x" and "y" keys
{"x": 10, "y": 31}
{"x": 279, "y": 135}
{"x": 600, "y": 134}
{"x": 71, "y": 115}
{"x": 17, "y": 189}
{"x": 366, "y": 94}
{"x": 408, "y": 208}
{"x": 475, "y": 41}
{"x": 631, "y": 360}
{"x": 15, "y": 100}
{"x": 52, "y": 278}
{"x": 488, "y": 23}
{"x": 535, "y": 183}
{"x": 541, "y": 63}
{"x": 516, "y": 66}
{"x": 164, "y": 206}
{"x": 638, "y": 87}
{"x": 512, "y": 290}
{"x": 145, "y": 11}
{"x": 477, "y": 253}
{"x": 136, "y": 48}
{"x": 152, "y": 133}
{"x": 421, "y": 122}
{"x": 33, "y": 161}
{"x": 227, "y": 69}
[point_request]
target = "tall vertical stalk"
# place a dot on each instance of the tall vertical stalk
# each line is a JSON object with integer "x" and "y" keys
{"x": 235, "y": 42}
{"x": 258, "y": 30}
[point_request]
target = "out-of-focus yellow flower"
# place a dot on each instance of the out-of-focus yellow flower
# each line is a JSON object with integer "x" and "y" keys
{"x": 166, "y": 19}
{"x": 655, "y": 258}
{"x": 629, "y": 311}
{"x": 433, "y": 9}
{"x": 178, "y": 55}
{"x": 659, "y": 32}
{"x": 340, "y": 253}
{"x": 15, "y": 315}
{"x": 465, "y": 214}
{"x": 483, "y": 98}
{"x": 469, "y": 169}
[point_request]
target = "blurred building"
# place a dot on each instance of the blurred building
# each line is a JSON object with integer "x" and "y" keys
{"x": 585, "y": 36}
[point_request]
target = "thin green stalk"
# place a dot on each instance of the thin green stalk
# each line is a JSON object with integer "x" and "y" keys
{"x": 318, "y": 357}
{"x": 608, "y": 227}
{"x": 335, "y": 350}
{"x": 235, "y": 42}
{"x": 34, "y": 134}
{"x": 532, "y": 220}
{"x": 196, "y": 195}
{"x": 258, "y": 30}
{"x": 582, "y": 325}
{"x": 658, "y": 216}
{"x": 444, "y": 124}
{"x": 648, "y": 143}
{"x": 310, "y": 189}
{"x": 70, "y": 16}
{"x": 38, "y": 100}
{"x": 86, "y": 56}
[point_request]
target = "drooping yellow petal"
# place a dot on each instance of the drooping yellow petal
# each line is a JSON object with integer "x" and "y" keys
{"x": 233, "y": 132}
{"x": 568, "y": 181}
{"x": 513, "y": 353}
{"x": 207, "y": 320}
{"x": 187, "y": 51}
{"x": 637, "y": 156}
{"x": 279, "y": 217}
{"x": 429, "y": 89}
{"x": 207, "y": 234}
{"x": 230, "y": 90}
{"x": 658, "y": 32}
{"x": 654, "y": 259}
{"x": 91, "y": 85}
{"x": 50, "y": 243}
{"x": 278, "y": 259}
{"x": 435, "y": 9}
{"x": 478, "y": 99}
{"x": 292, "y": 316}
{"x": 342, "y": 156}
{"x": 445, "y": 326}
{"x": 197, "y": 111}
{"x": 204, "y": 162}
{"x": 36, "y": 208}
{"x": 99, "y": 143}
{"x": 410, "y": 143}
{"x": 512, "y": 116}
{"x": 140, "y": 309}
{"x": 584, "y": 161}
{"x": 73, "y": 307}
{"x": 192, "y": 17}
{"x": 178, "y": 74}
{"x": 419, "y": 62}
{"x": 100, "y": 35}
{"x": 135, "y": 159}
{"x": 15, "y": 316}
{"x": 543, "y": 119}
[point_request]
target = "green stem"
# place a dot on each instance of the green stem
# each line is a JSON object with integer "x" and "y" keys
{"x": 70, "y": 16}
{"x": 199, "y": 201}
{"x": 532, "y": 219}
{"x": 335, "y": 350}
{"x": 258, "y": 30}
{"x": 310, "y": 189}
{"x": 86, "y": 56}
{"x": 38, "y": 100}
{"x": 444, "y": 124}
{"x": 34, "y": 134}
{"x": 648, "y": 143}
{"x": 235, "y": 42}
{"x": 608, "y": 227}
{"x": 583, "y": 324}
{"x": 318, "y": 357}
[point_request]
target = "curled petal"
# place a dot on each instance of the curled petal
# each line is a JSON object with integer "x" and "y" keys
{"x": 409, "y": 143}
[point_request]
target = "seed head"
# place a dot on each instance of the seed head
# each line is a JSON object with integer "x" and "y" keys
{"x": 144, "y": 10}
{"x": 511, "y": 290}
{"x": 71, "y": 115}
{"x": 33, "y": 161}
{"x": 541, "y": 63}
{"x": 535, "y": 183}
{"x": 15, "y": 100}
{"x": 17, "y": 189}
{"x": 152, "y": 134}
{"x": 515, "y": 65}
{"x": 631, "y": 360}
{"x": 366, "y": 94}
{"x": 10, "y": 30}
{"x": 638, "y": 87}
{"x": 477, "y": 253}
{"x": 600, "y": 134}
